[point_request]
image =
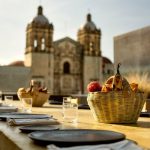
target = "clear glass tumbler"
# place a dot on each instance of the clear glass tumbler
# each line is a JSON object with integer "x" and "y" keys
{"x": 27, "y": 104}
{"x": 70, "y": 110}
{"x": 8, "y": 100}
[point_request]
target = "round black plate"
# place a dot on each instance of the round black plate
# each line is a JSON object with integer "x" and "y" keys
{"x": 75, "y": 137}
{"x": 32, "y": 128}
{"x": 145, "y": 114}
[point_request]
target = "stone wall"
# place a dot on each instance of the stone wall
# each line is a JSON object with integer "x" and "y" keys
{"x": 12, "y": 78}
{"x": 133, "y": 50}
{"x": 92, "y": 70}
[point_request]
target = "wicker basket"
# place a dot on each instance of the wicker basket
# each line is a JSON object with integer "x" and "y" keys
{"x": 116, "y": 106}
{"x": 38, "y": 98}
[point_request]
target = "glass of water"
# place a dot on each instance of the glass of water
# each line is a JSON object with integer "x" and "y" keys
{"x": 8, "y": 100}
{"x": 1, "y": 102}
{"x": 27, "y": 104}
{"x": 70, "y": 109}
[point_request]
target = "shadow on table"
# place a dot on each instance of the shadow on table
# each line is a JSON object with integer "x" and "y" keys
{"x": 141, "y": 124}
{"x": 53, "y": 106}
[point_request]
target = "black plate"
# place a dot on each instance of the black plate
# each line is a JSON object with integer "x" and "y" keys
{"x": 32, "y": 128}
{"x": 83, "y": 106}
{"x": 4, "y": 116}
{"x": 145, "y": 114}
{"x": 64, "y": 138}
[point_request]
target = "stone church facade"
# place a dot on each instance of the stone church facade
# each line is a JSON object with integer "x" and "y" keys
{"x": 64, "y": 66}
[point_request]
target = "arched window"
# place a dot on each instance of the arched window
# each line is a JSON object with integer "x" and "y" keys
{"x": 35, "y": 43}
{"x": 66, "y": 68}
{"x": 43, "y": 44}
{"x": 91, "y": 46}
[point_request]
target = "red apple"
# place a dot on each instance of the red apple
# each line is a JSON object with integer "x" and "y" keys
{"x": 94, "y": 86}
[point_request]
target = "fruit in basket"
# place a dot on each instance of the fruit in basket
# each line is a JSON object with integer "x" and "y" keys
{"x": 134, "y": 86}
{"x": 107, "y": 87}
{"x": 39, "y": 95}
{"x": 94, "y": 86}
{"x": 118, "y": 101}
{"x": 116, "y": 83}
{"x": 117, "y": 80}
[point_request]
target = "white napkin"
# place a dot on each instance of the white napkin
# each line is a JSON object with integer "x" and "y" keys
{"x": 122, "y": 145}
{"x": 18, "y": 122}
{"x": 8, "y": 109}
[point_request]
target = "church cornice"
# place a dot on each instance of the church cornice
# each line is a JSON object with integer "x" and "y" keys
{"x": 70, "y": 74}
{"x": 89, "y": 31}
{"x": 40, "y": 26}
{"x": 34, "y": 52}
{"x": 66, "y": 39}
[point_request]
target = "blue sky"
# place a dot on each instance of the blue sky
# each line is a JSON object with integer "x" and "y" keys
{"x": 113, "y": 17}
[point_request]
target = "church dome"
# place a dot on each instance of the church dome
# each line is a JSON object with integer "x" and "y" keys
{"x": 18, "y": 63}
{"x": 89, "y": 23}
{"x": 106, "y": 60}
{"x": 40, "y": 18}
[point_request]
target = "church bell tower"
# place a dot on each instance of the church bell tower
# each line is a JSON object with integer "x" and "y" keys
{"x": 39, "y": 49}
{"x": 90, "y": 37}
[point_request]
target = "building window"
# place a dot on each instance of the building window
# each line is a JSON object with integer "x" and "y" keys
{"x": 35, "y": 43}
{"x": 91, "y": 46}
{"x": 43, "y": 44}
{"x": 66, "y": 68}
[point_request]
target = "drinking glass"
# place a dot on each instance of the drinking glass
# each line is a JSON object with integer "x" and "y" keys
{"x": 8, "y": 100}
{"x": 70, "y": 109}
{"x": 1, "y": 102}
{"x": 27, "y": 104}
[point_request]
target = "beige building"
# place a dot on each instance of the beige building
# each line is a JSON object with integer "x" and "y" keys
{"x": 64, "y": 66}
{"x": 132, "y": 49}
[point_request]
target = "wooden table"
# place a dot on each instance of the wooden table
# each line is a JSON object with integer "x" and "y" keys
{"x": 11, "y": 137}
